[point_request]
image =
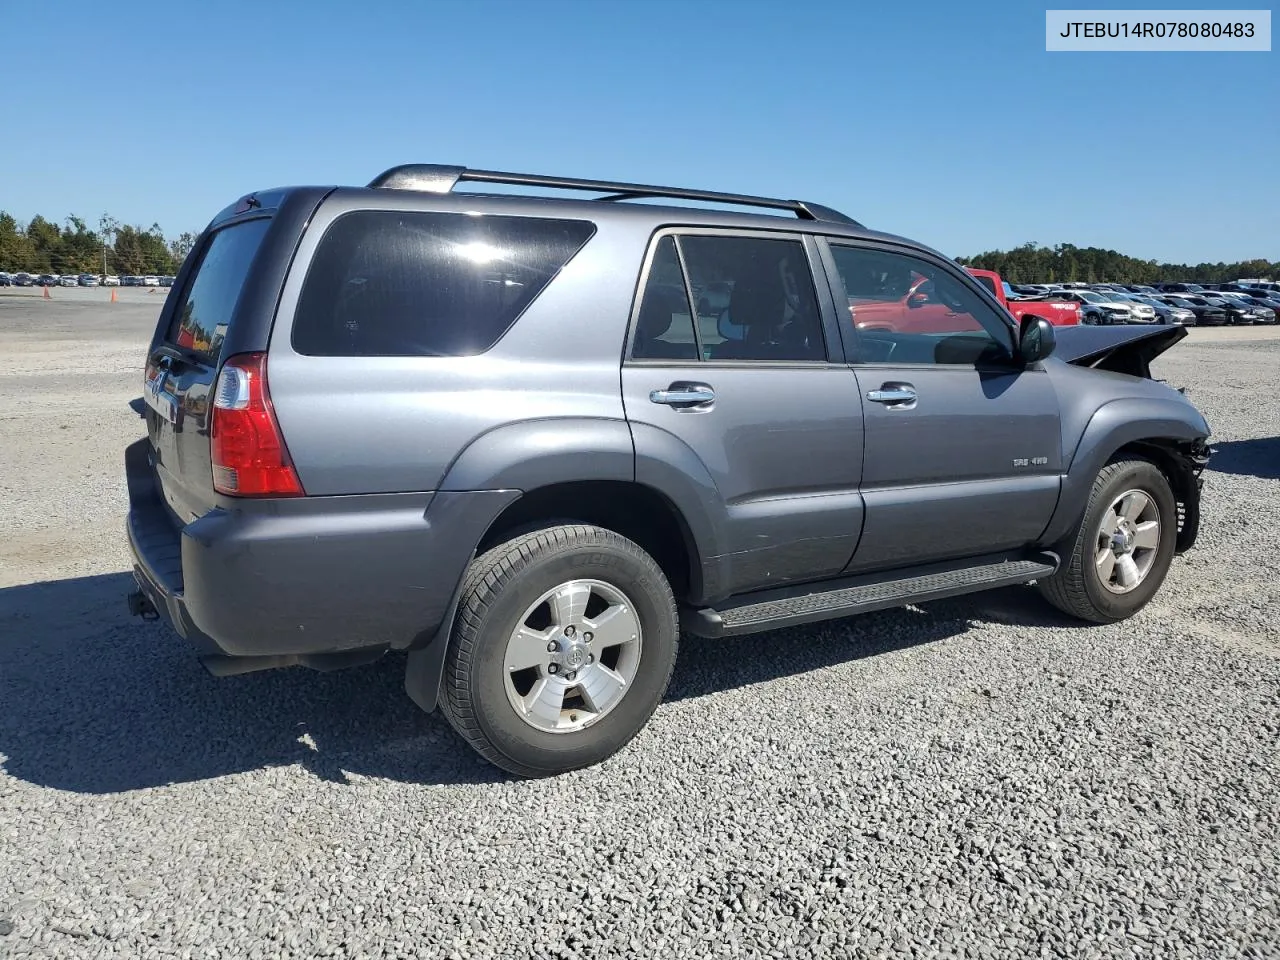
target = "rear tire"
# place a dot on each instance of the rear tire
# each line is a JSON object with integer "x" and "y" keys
{"x": 1118, "y": 560}
{"x": 527, "y": 682}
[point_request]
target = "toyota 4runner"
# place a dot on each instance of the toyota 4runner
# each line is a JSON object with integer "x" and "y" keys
{"x": 529, "y": 439}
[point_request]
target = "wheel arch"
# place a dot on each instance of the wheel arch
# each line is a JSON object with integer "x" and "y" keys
{"x": 1181, "y": 462}
{"x": 1169, "y": 432}
{"x": 636, "y": 511}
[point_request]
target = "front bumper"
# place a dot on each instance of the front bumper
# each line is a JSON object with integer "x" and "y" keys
{"x": 304, "y": 576}
{"x": 1192, "y": 459}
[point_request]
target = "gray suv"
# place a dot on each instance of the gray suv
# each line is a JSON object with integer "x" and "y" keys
{"x": 528, "y": 439}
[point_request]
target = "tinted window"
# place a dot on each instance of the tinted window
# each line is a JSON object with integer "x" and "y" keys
{"x": 755, "y": 298}
{"x": 664, "y": 328}
{"x": 200, "y": 323}
{"x": 391, "y": 283}
{"x": 988, "y": 283}
{"x": 907, "y": 310}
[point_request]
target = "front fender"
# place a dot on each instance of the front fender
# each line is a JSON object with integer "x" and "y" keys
{"x": 1112, "y": 426}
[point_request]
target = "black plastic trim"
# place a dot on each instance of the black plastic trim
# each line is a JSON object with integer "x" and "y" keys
{"x": 814, "y": 602}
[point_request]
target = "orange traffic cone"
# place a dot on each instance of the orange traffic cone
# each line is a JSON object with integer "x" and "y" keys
{"x": 46, "y": 292}
{"x": 113, "y": 294}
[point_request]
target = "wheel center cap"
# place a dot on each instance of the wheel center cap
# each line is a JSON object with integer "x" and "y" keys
{"x": 574, "y": 655}
{"x": 1122, "y": 542}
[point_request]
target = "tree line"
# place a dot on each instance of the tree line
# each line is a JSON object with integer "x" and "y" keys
{"x": 1031, "y": 263}
{"x": 42, "y": 246}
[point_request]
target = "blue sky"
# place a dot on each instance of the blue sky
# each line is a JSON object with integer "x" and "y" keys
{"x": 946, "y": 122}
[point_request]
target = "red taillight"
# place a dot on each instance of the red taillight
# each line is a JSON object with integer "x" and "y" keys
{"x": 247, "y": 449}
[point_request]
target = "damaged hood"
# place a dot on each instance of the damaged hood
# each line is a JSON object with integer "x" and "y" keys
{"x": 1123, "y": 349}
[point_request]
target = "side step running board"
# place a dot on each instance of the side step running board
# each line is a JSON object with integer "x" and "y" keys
{"x": 843, "y": 598}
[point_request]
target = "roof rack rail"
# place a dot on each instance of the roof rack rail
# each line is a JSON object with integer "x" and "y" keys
{"x": 441, "y": 178}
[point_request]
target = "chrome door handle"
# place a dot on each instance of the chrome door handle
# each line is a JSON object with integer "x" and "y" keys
{"x": 683, "y": 396}
{"x": 893, "y": 395}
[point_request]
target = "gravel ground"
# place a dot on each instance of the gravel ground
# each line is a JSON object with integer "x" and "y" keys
{"x": 978, "y": 778}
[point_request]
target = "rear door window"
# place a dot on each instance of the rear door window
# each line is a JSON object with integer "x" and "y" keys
{"x": 200, "y": 323}
{"x": 755, "y": 298}
{"x": 406, "y": 284}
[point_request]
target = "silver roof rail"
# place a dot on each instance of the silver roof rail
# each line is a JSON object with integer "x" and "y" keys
{"x": 442, "y": 178}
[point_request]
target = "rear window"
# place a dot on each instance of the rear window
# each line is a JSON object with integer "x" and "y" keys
{"x": 200, "y": 323}
{"x": 391, "y": 283}
{"x": 987, "y": 282}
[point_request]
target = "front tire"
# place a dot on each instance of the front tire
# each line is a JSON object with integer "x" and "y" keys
{"x": 562, "y": 649}
{"x": 1123, "y": 548}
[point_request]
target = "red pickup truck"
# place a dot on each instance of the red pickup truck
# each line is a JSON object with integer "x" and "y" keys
{"x": 1061, "y": 313}
{"x": 910, "y": 302}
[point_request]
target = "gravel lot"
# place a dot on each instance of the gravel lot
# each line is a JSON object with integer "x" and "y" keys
{"x": 977, "y": 778}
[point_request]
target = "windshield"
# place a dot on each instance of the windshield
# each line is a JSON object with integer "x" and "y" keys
{"x": 1090, "y": 297}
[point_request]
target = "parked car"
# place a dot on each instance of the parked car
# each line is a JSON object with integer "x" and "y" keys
{"x": 128, "y": 280}
{"x": 68, "y": 280}
{"x": 1139, "y": 311}
{"x": 110, "y": 280}
{"x": 47, "y": 280}
{"x": 1272, "y": 285}
{"x": 540, "y": 555}
{"x": 87, "y": 280}
{"x": 1272, "y": 302}
{"x": 1166, "y": 313}
{"x": 1238, "y": 314}
{"x": 6, "y": 280}
{"x": 166, "y": 281}
{"x": 150, "y": 281}
{"x": 1095, "y": 308}
{"x": 1260, "y": 312}
{"x": 1179, "y": 288}
{"x": 1207, "y": 314}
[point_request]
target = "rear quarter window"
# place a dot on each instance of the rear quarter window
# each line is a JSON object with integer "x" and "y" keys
{"x": 394, "y": 283}
{"x": 201, "y": 320}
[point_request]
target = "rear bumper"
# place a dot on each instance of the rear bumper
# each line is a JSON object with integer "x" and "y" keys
{"x": 304, "y": 576}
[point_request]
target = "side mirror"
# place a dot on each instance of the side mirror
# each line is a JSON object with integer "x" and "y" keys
{"x": 1036, "y": 339}
{"x": 917, "y": 300}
